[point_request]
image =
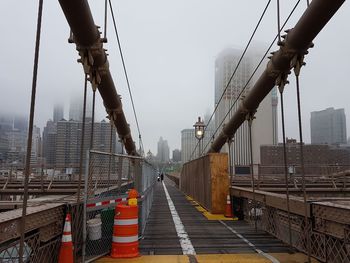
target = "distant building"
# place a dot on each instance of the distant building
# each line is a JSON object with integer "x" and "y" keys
{"x": 188, "y": 144}
{"x": 68, "y": 141}
{"x": 76, "y": 109}
{"x": 264, "y": 128}
{"x": 328, "y": 126}
{"x": 163, "y": 150}
{"x": 58, "y": 113}
{"x": 316, "y": 157}
{"x": 176, "y": 155}
{"x": 13, "y": 138}
{"x": 49, "y": 143}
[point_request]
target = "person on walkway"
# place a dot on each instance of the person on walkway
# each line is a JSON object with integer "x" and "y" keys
{"x": 161, "y": 177}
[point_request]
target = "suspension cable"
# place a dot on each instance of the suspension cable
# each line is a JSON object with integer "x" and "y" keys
{"x": 30, "y": 132}
{"x": 105, "y": 22}
{"x": 93, "y": 118}
{"x": 268, "y": 49}
{"x": 297, "y": 72}
{"x": 82, "y": 139}
{"x": 285, "y": 164}
{"x": 110, "y": 155}
{"x": 235, "y": 70}
{"x": 125, "y": 73}
{"x": 278, "y": 22}
{"x": 250, "y": 122}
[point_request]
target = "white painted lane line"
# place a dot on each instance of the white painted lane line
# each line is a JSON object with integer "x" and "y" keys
{"x": 268, "y": 256}
{"x": 185, "y": 242}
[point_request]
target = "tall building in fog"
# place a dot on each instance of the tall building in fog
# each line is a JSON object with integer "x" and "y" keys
{"x": 328, "y": 126}
{"x": 68, "y": 141}
{"x": 176, "y": 155}
{"x": 163, "y": 150}
{"x": 58, "y": 112}
{"x": 264, "y": 128}
{"x": 188, "y": 143}
{"x": 76, "y": 108}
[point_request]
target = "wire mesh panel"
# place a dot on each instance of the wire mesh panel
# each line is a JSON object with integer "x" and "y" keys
{"x": 107, "y": 181}
{"x": 323, "y": 246}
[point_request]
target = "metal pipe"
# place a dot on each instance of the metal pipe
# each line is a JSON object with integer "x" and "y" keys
{"x": 297, "y": 41}
{"x": 94, "y": 59}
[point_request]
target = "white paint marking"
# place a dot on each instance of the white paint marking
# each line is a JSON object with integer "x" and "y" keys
{"x": 185, "y": 242}
{"x": 268, "y": 256}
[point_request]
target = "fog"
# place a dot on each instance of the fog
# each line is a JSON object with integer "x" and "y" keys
{"x": 169, "y": 49}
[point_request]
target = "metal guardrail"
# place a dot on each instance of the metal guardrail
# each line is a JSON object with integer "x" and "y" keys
{"x": 329, "y": 222}
{"x": 109, "y": 177}
{"x": 112, "y": 169}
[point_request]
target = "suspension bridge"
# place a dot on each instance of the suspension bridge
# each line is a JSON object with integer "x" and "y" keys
{"x": 181, "y": 219}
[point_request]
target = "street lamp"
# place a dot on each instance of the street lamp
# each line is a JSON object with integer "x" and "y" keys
{"x": 199, "y": 133}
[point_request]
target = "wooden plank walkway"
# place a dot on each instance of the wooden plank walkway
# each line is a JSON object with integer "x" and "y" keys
{"x": 206, "y": 236}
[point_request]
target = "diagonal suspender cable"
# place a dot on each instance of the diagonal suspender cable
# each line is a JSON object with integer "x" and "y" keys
{"x": 235, "y": 70}
{"x": 82, "y": 138}
{"x": 239, "y": 95}
{"x": 281, "y": 88}
{"x": 30, "y": 132}
{"x": 296, "y": 71}
{"x": 285, "y": 166}
{"x": 126, "y": 74}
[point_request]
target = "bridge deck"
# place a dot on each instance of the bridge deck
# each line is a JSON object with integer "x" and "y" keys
{"x": 218, "y": 240}
{"x": 207, "y": 236}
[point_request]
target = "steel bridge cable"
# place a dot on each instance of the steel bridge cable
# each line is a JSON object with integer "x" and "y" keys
{"x": 273, "y": 41}
{"x": 126, "y": 74}
{"x": 93, "y": 118}
{"x": 281, "y": 88}
{"x": 285, "y": 165}
{"x": 301, "y": 142}
{"x": 82, "y": 138}
{"x": 235, "y": 70}
{"x": 30, "y": 131}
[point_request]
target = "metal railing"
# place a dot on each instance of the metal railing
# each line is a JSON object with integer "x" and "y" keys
{"x": 108, "y": 178}
{"x": 329, "y": 223}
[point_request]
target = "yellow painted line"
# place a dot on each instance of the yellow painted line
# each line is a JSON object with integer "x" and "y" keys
{"x": 147, "y": 259}
{"x": 200, "y": 208}
{"x": 203, "y": 258}
{"x": 292, "y": 258}
{"x": 231, "y": 258}
{"x": 211, "y": 216}
{"x": 211, "y": 258}
{"x": 189, "y": 198}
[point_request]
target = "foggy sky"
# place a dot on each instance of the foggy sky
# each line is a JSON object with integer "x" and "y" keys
{"x": 169, "y": 49}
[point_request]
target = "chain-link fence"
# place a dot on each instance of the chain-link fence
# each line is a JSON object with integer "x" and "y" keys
{"x": 108, "y": 178}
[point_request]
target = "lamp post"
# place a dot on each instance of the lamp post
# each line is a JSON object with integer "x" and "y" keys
{"x": 199, "y": 133}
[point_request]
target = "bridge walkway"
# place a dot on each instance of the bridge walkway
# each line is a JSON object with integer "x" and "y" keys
{"x": 197, "y": 232}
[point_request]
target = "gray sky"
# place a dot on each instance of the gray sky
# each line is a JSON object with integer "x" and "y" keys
{"x": 169, "y": 48}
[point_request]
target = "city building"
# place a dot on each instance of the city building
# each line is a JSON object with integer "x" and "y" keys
{"x": 163, "y": 151}
{"x": 176, "y": 155}
{"x": 328, "y": 126}
{"x": 49, "y": 143}
{"x": 68, "y": 142}
{"x": 76, "y": 108}
{"x": 264, "y": 127}
{"x": 317, "y": 157}
{"x": 58, "y": 113}
{"x": 188, "y": 144}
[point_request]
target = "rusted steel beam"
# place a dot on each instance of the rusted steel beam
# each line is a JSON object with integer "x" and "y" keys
{"x": 294, "y": 47}
{"x": 94, "y": 59}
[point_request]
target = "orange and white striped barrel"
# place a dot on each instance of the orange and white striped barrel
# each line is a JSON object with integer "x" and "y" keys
{"x": 125, "y": 232}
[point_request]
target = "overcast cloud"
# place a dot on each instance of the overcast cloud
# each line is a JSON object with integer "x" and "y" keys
{"x": 169, "y": 49}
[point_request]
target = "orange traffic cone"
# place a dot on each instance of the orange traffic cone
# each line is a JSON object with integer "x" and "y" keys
{"x": 228, "y": 211}
{"x": 66, "y": 249}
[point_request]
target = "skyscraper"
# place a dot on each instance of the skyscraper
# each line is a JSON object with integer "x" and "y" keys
{"x": 58, "y": 112}
{"x": 188, "y": 143}
{"x": 328, "y": 126}
{"x": 163, "y": 150}
{"x": 76, "y": 108}
{"x": 264, "y": 127}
